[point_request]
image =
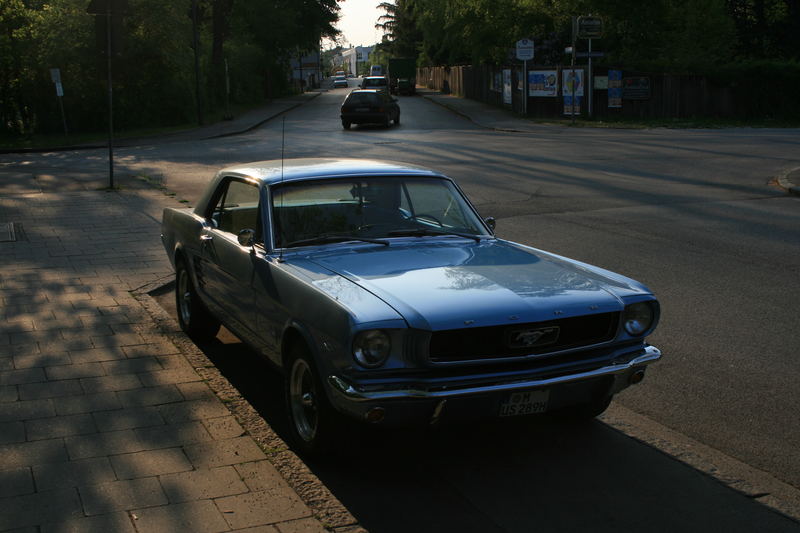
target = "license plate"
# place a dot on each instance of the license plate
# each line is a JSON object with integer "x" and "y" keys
{"x": 362, "y": 109}
{"x": 525, "y": 403}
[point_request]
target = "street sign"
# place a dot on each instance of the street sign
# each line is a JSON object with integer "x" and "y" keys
{"x": 524, "y": 49}
{"x": 590, "y": 27}
{"x": 55, "y": 75}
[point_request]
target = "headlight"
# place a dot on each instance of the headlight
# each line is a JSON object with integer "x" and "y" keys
{"x": 371, "y": 348}
{"x": 638, "y": 318}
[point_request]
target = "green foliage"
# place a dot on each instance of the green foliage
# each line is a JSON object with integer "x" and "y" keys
{"x": 154, "y": 69}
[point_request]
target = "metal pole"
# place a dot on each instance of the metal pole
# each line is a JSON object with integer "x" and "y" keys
{"x": 572, "y": 110}
{"x": 591, "y": 83}
{"x": 196, "y": 46}
{"x": 63, "y": 116}
{"x": 110, "y": 102}
{"x": 525, "y": 88}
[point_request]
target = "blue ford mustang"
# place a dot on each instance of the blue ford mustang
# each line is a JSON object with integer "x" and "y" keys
{"x": 383, "y": 296}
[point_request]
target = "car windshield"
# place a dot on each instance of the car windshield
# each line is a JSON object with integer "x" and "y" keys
{"x": 379, "y": 82}
{"x": 371, "y": 208}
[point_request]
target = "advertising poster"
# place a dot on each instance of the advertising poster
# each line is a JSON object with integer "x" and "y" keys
{"x": 614, "y": 88}
{"x": 543, "y": 83}
{"x": 572, "y": 90}
{"x": 507, "y": 86}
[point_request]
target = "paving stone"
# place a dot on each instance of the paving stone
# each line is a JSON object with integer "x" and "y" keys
{"x": 128, "y": 419}
{"x": 133, "y": 366}
{"x": 45, "y": 359}
{"x": 75, "y": 371}
{"x": 150, "y": 463}
{"x": 263, "y": 507}
{"x": 122, "y": 496}
{"x": 261, "y": 475}
{"x": 118, "y": 522}
{"x": 12, "y": 432}
{"x": 9, "y": 393}
{"x": 152, "y": 349}
{"x": 224, "y": 427}
{"x": 165, "y": 377}
{"x": 96, "y": 355}
{"x": 223, "y": 452}
{"x": 26, "y": 410}
{"x": 194, "y": 410}
{"x": 88, "y": 403}
{"x": 22, "y": 454}
{"x": 6, "y": 363}
{"x": 38, "y": 508}
{"x": 50, "y": 389}
{"x": 304, "y": 525}
{"x": 151, "y": 396}
{"x": 73, "y": 473}
{"x": 170, "y": 435}
{"x": 196, "y": 390}
{"x": 202, "y": 484}
{"x": 18, "y": 481}
{"x": 119, "y": 382}
{"x": 119, "y": 340}
{"x": 60, "y": 426}
{"x": 9, "y": 350}
{"x": 103, "y": 444}
{"x": 19, "y": 377}
{"x": 197, "y": 517}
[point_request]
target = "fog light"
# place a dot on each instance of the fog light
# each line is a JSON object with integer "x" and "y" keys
{"x": 375, "y": 415}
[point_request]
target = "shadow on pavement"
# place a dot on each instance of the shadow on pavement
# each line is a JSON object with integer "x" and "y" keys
{"x": 528, "y": 475}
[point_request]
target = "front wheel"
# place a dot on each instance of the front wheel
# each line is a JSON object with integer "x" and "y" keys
{"x": 195, "y": 320}
{"x": 345, "y": 125}
{"x": 312, "y": 420}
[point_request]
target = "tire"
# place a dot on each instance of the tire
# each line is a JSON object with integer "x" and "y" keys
{"x": 346, "y": 125}
{"x": 312, "y": 420}
{"x": 195, "y": 320}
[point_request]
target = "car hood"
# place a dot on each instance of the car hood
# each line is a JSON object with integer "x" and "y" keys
{"x": 440, "y": 284}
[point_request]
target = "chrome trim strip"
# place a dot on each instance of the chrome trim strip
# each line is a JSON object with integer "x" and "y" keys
{"x": 649, "y": 355}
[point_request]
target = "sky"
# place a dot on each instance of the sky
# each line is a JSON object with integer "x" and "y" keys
{"x": 357, "y": 19}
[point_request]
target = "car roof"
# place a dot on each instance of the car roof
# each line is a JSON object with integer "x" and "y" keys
{"x": 275, "y": 170}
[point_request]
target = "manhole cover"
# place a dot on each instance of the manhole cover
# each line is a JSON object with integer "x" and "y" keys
{"x": 7, "y": 232}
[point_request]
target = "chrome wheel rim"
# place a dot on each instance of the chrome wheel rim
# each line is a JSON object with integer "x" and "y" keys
{"x": 184, "y": 297}
{"x": 302, "y": 400}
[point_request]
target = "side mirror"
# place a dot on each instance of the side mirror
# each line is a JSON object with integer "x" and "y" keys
{"x": 247, "y": 237}
{"x": 491, "y": 222}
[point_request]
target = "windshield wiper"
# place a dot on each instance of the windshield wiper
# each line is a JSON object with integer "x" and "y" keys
{"x": 424, "y": 232}
{"x": 325, "y": 239}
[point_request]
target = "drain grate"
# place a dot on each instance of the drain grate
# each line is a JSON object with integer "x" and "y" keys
{"x": 7, "y": 232}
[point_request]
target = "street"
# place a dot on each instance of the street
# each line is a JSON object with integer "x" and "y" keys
{"x": 692, "y": 214}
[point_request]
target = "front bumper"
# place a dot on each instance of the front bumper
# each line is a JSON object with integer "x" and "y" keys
{"x": 422, "y": 397}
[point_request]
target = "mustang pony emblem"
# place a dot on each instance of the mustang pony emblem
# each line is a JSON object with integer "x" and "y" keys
{"x": 525, "y": 338}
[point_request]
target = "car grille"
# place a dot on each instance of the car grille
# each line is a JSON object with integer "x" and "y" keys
{"x": 521, "y": 340}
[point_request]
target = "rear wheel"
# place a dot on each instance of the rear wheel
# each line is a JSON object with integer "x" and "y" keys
{"x": 195, "y": 320}
{"x": 312, "y": 419}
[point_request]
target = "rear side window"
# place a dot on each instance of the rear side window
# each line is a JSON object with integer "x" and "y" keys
{"x": 237, "y": 208}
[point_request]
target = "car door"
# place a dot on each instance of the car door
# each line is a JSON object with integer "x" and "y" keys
{"x": 226, "y": 266}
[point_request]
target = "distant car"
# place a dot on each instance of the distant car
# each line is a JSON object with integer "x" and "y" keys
{"x": 376, "y": 70}
{"x": 339, "y": 82}
{"x": 382, "y": 296}
{"x": 369, "y": 106}
{"x": 375, "y": 82}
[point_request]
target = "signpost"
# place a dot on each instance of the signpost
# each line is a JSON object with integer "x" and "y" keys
{"x": 55, "y": 75}
{"x": 525, "y": 53}
{"x": 590, "y": 27}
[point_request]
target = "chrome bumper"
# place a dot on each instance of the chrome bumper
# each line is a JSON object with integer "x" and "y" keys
{"x": 621, "y": 373}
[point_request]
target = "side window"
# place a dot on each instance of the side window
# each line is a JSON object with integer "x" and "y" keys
{"x": 237, "y": 208}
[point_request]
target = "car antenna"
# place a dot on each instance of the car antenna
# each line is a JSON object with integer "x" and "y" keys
{"x": 283, "y": 146}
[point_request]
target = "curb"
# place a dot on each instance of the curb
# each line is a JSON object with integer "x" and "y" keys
{"x": 155, "y": 139}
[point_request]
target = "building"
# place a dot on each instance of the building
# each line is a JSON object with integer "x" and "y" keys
{"x": 353, "y": 57}
{"x": 307, "y": 70}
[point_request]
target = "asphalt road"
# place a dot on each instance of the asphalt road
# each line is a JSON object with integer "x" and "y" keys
{"x": 690, "y": 213}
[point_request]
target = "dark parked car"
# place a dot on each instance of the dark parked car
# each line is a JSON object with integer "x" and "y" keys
{"x": 369, "y": 106}
{"x": 382, "y": 296}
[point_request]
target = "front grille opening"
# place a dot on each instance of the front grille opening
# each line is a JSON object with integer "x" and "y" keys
{"x": 496, "y": 342}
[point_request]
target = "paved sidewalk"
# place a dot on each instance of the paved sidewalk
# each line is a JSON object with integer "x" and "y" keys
{"x": 105, "y": 425}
